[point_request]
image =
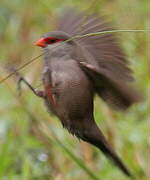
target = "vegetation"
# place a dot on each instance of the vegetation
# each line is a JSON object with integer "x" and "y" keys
{"x": 33, "y": 144}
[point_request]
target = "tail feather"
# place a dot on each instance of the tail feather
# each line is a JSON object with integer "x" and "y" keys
{"x": 95, "y": 137}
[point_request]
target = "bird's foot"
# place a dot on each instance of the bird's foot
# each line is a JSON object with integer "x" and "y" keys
{"x": 35, "y": 91}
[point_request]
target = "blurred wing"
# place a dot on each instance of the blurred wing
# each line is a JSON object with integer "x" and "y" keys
{"x": 103, "y": 52}
{"x": 104, "y": 48}
{"x": 118, "y": 95}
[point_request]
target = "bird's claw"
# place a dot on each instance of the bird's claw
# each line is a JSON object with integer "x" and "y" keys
{"x": 19, "y": 86}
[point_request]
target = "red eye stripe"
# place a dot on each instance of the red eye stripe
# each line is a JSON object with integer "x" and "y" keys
{"x": 51, "y": 40}
{"x": 43, "y": 42}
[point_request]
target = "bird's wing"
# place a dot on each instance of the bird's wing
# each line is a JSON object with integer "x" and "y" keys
{"x": 116, "y": 94}
{"x": 104, "y": 48}
{"x": 104, "y": 53}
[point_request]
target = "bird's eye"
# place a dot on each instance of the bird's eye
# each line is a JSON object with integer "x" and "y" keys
{"x": 51, "y": 41}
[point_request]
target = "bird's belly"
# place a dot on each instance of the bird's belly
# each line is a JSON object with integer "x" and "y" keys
{"x": 69, "y": 94}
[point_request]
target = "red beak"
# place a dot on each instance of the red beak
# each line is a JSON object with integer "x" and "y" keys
{"x": 41, "y": 43}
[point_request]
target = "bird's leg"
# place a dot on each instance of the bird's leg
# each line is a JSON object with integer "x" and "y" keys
{"x": 36, "y": 92}
{"x": 22, "y": 79}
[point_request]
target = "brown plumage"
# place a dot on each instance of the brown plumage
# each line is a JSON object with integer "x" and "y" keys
{"x": 75, "y": 71}
{"x": 107, "y": 56}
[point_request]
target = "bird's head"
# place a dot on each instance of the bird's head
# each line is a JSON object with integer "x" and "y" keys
{"x": 51, "y": 38}
{"x": 51, "y": 43}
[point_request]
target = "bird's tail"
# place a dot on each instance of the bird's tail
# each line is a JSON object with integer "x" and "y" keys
{"x": 95, "y": 137}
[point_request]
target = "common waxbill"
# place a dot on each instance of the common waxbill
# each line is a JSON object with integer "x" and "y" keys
{"x": 76, "y": 70}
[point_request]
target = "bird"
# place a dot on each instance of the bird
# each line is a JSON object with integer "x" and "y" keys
{"x": 76, "y": 70}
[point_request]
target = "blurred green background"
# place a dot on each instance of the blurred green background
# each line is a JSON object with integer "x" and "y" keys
{"x": 33, "y": 145}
